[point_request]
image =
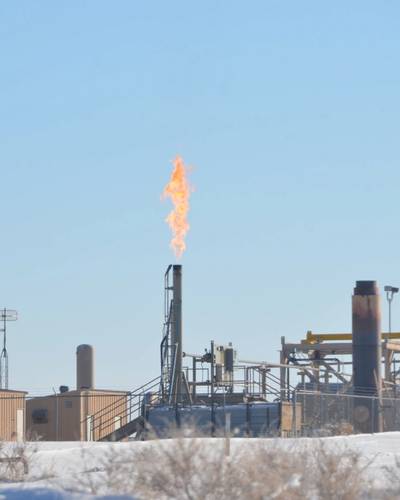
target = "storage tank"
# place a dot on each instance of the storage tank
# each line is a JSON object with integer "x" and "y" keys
{"x": 84, "y": 367}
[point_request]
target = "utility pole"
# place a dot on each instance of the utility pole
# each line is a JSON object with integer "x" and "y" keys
{"x": 390, "y": 291}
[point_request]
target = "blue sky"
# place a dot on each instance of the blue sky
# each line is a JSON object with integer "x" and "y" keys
{"x": 289, "y": 114}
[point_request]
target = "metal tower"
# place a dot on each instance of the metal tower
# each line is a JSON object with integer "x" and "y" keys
{"x": 171, "y": 345}
{"x": 5, "y": 316}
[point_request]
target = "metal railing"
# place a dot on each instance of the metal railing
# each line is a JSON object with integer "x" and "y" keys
{"x": 126, "y": 408}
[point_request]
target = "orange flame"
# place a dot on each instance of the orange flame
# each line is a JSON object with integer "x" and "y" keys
{"x": 178, "y": 189}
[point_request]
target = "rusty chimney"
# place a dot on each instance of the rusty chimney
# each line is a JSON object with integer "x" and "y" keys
{"x": 84, "y": 367}
{"x": 367, "y": 354}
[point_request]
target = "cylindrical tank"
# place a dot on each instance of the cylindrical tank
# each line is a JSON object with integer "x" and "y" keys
{"x": 219, "y": 373}
{"x": 367, "y": 354}
{"x": 84, "y": 367}
{"x": 229, "y": 359}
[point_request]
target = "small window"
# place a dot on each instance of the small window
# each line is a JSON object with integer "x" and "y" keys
{"x": 68, "y": 403}
{"x": 40, "y": 416}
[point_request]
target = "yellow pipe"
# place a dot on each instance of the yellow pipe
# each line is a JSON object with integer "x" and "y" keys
{"x": 316, "y": 338}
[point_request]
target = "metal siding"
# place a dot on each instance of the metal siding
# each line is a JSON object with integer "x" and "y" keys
{"x": 73, "y": 409}
{"x": 10, "y": 402}
{"x": 45, "y": 431}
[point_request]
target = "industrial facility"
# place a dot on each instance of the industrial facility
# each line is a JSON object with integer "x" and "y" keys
{"x": 323, "y": 384}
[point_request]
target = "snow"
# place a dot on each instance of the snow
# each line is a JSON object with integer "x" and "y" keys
{"x": 56, "y": 467}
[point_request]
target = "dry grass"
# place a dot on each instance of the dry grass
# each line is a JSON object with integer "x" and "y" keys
{"x": 191, "y": 468}
{"x": 184, "y": 469}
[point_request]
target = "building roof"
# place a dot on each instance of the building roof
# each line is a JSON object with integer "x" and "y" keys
{"x": 83, "y": 392}
{"x": 11, "y": 391}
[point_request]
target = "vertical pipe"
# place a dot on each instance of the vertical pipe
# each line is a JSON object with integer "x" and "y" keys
{"x": 264, "y": 383}
{"x": 176, "y": 332}
{"x": 212, "y": 390}
{"x": 367, "y": 354}
{"x": 283, "y": 361}
{"x": 194, "y": 379}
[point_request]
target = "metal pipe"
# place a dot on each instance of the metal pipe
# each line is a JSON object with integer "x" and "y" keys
{"x": 56, "y": 412}
{"x": 194, "y": 378}
{"x": 176, "y": 331}
{"x": 277, "y": 365}
{"x": 367, "y": 354}
{"x": 212, "y": 390}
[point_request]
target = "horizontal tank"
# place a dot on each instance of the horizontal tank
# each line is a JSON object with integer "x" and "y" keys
{"x": 254, "y": 419}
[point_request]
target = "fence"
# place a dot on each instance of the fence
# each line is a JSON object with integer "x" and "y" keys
{"x": 328, "y": 414}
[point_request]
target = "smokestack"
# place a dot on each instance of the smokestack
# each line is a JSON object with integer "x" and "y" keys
{"x": 367, "y": 354}
{"x": 84, "y": 367}
{"x": 176, "y": 333}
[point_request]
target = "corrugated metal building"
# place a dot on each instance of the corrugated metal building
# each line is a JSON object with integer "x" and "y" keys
{"x": 67, "y": 416}
{"x": 12, "y": 415}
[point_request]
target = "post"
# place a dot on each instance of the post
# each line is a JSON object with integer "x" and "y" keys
{"x": 294, "y": 421}
{"x": 227, "y": 434}
{"x": 388, "y": 354}
{"x": 212, "y": 391}
{"x": 56, "y": 420}
{"x": 367, "y": 354}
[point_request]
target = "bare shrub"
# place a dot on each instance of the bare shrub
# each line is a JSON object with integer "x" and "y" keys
{"x": 195, "y": 469}
{"x": 392, "y": 474}
{"x": 191, "y": 468}
{"x": 112, "y": 475}
{"x": 337, "y": 472}
{"x": 16, "y": 460}
{"x": 180, "y": 468}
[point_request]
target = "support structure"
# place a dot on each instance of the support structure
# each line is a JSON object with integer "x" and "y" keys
{"x": 172, "y": 382}
{"x": 176, "y": 334}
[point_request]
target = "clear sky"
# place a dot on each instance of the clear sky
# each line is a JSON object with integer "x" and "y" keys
{"x": 289, "y": 114}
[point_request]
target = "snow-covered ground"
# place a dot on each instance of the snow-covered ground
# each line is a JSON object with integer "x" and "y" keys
{"x": 67, "y": 469}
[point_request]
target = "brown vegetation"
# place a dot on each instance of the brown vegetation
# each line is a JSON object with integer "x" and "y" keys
{"x": 191, "y": 468}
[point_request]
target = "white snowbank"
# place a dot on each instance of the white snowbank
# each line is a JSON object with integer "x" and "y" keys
{"x": 56, "y": 468}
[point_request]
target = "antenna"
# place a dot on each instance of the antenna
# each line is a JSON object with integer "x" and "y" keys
{"x": 5, "y": 316}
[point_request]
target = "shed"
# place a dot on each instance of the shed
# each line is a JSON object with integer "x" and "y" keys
{"x": 12, "y": 415}
{"x": 68, "y": 416}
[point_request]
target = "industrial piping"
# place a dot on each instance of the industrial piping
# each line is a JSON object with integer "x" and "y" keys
{"x": 176, "y": 334}
{"x": 367, "y": 354}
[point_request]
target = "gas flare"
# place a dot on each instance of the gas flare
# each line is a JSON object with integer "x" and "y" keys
{"x": 179, "y": 190}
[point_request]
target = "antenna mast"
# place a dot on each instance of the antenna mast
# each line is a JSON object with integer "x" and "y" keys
{"x": 5, "y": 316}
